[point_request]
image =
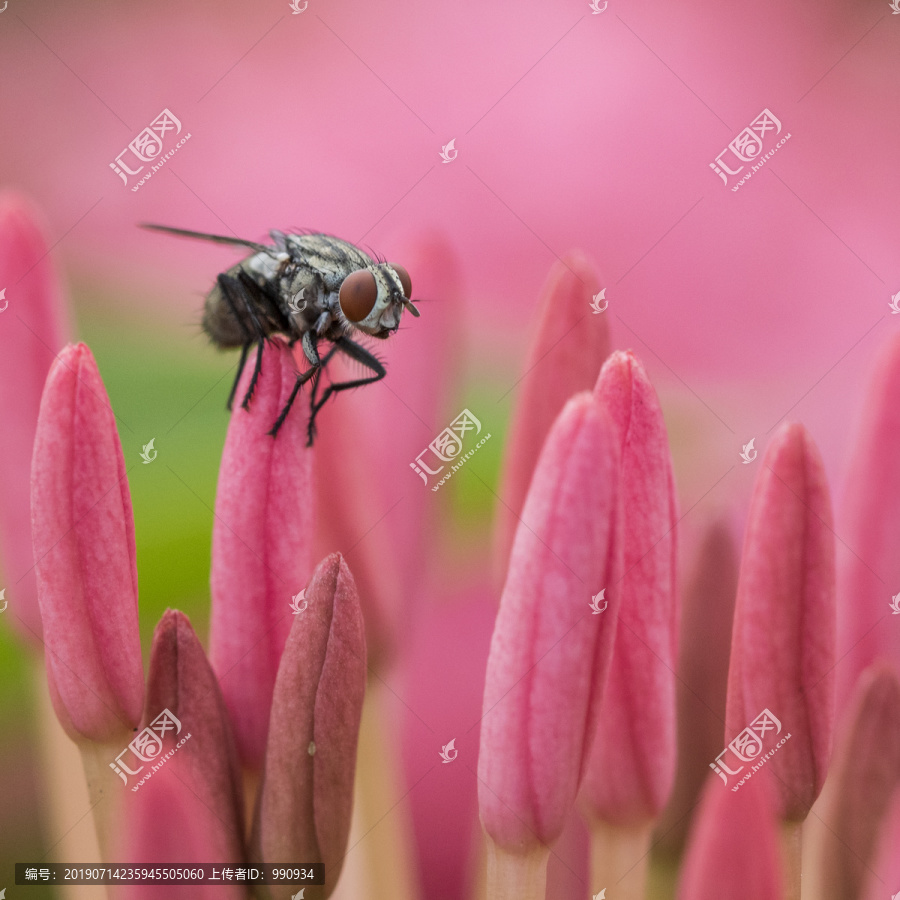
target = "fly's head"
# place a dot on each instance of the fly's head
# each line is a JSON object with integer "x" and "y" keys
{"x": 373, "y": 298}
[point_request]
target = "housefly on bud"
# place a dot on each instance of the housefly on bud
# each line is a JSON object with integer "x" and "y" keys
{"x": 345, "y": 291}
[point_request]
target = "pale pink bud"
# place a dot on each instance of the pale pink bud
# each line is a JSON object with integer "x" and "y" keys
{"x": 306, "y": 796}
{"x": 550, "y": 653}
{"x": 863, "y": 779}
{"x": 884, "y": 876}
{"x": 708, "y": 610}
{"x": 261, "y": 545}
{"x": 569, "y": 346}
{"x": 632, "y": 762}
{"x": 782, "y": 651}
{"x": 33, "y": 329}
{"x": 869, "y": 525}
{"x": 375, "y": 510}
{"x": 84, "y": 547}
{"x": 733, "y": 847}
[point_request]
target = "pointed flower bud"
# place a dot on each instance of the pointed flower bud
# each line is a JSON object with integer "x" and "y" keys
{"x": 549, "y": 655}
{"x": 261, "y": 545}
{"x": 869, "y": 523}
{"x": 206, "y": 766}
{"x": 733, "y": 847}
{"x": 783, "y": 641}
{"x": 568, "y": 349}
{"x": 632, "y": 763}
{"x": 864, "y": 777}
{"x": 33, "y": 329}
{"x": 306, "y": 796}
{"x": 84, "y": 548}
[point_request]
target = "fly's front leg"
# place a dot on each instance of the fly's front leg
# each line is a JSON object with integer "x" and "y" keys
{"x": 361, "y": 355}
{"x": 310, "y": 351}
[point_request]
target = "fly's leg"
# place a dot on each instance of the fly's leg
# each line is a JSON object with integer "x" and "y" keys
{"x": 245, "y": 347}
{"x": 362, "y": 356}
{"x": 311, "y": 353}
{"x": 235, "y": 291}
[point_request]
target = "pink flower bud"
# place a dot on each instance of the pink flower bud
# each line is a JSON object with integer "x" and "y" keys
{"x": 306, "y": 796}
{"x": 568, "y": 349}
{"x": 33, "y": 329}
{"x": 632, "y": 763}
{"x": 869, "y": 524}
{"x": 782, "y": 651}
{"x": 206, "y": 765}
{"x": 550, "y": 653}
{"x": 261, "y": 545}
{"x": 85, "y": 554}
{"x": 733, "y": 847}
{"x": 863, "y": 779}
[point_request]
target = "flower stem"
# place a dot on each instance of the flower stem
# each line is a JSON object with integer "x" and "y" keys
{"x": 619, "y": 858}
{"x": 65, "y": 789}
{"x": 791, "y": 838}
{"x": 514, "y": 876}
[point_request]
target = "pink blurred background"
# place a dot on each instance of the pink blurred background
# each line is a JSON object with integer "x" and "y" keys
{"x": 573, "y": 130}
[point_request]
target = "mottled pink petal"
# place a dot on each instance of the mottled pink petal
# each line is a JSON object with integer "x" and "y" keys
{"x": 869, "y": 524}
{"x": 306, "y": 797}
{"x": 568, "y": 348}
{"x": 84, "y": 546}
{"x": 632, "y": 761}
{"x": 864, "y": 777}
{"x": 782, "y": 651}
{"x": 261, "y": 546}
{"x": 33, "y": 329}
{"x": 733, "y": 848}
{"x": 550, "y": 654}
{"x": 181, "y": 680}
{"x": 167, "y": 826}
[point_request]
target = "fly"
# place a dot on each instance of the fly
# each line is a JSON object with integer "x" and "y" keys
{"x": 306, "y": 287}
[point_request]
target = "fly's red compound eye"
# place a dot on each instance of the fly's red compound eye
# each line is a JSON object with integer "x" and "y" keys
{"x": 405, "y": 280}
{"x": 357, "y": 295}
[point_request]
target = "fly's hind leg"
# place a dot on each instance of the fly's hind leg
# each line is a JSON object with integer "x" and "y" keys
{"x": 235, "y": 293}
{"x": 362, "y": 356}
